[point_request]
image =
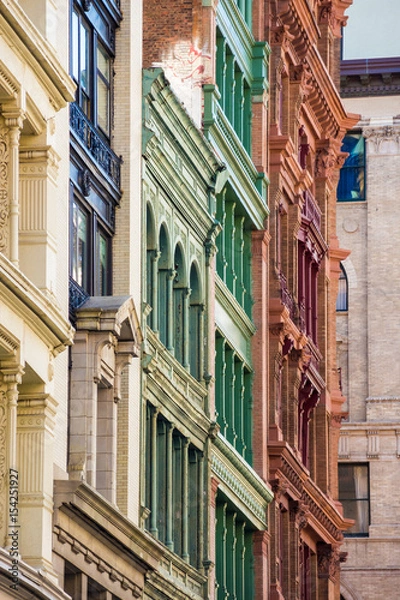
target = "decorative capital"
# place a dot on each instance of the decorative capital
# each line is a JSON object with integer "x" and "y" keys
{"x": 329, "y": 558}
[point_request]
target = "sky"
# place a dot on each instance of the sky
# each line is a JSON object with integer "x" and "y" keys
{"x": 372, "y": 30}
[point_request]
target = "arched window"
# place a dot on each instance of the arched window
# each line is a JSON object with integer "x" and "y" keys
{"x": 195, "y": 324}
{"x": 151, "y": 269}
{"x": 342, "y": 297}
{"x": 164, "y": 266}
{"x": 180, "y": 292}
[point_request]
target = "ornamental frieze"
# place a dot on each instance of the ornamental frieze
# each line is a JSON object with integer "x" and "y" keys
{"x": 383, "y": 140}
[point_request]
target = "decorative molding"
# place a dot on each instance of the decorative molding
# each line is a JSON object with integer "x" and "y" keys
{"x": 376, "y": 136}
{"x": 329, "y": 558}
{"x": 4, "y": 196}
{"x": 344, "y": 445}
{"x": 77, "y": 547}
{"x": 226, "y": 476}
{"x": 373, "y": 443}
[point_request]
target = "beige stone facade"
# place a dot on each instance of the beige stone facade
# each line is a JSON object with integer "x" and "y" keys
{"x": 367, "y": 346}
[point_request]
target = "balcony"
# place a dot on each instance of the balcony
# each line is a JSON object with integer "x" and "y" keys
{"x": 98, "y": 149}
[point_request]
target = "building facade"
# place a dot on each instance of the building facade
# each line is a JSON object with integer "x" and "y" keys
{"x": 260, "y": 80}
{"x": 169, "y": 266}
{"x": 367, "y": 226}
{"x": 307, "y": 123}
{"x": 35, "y": 330}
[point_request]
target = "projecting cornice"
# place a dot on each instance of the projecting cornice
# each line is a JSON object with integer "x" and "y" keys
{"x": 36, "y": 52}
{"x": 370, "y": 77}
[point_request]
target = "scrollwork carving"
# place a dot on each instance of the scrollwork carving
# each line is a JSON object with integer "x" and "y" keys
{"x": 4, "y": 210}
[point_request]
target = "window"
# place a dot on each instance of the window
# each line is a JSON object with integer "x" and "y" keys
{"x": 308, "y": 267}
{"x": 234, "y": 403}
{"x": 91, "y": 66}
{"x": 95, "y": 169}
{"x": 234, "y": 249}
{"x": 90, "y": 249}
{"x": 352, "y": 175}
{"x": 174, "y": 488}
{"x": 234, "y": 563}
{"x": 235, "y": 92}
{"x": 354, "y": 496}
{"x": 341, "y": 300}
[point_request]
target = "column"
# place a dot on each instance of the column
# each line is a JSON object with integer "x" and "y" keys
{"x": 153, "y": 472}
{"x": 170, "y": 487}
{"x": 185, "y": 501}
{"x": 170, "y": 303}
{"x": 35, "y": 439}
{"x": 201, "y": 505}
{"x": 154, "y": 292}
{"x": 230, "y": 381}
{"x": 186, "y": 338}
{"x": 106, "y": 444}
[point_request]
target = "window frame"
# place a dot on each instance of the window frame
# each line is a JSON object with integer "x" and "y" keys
{"x": 345, "y": 501}
{"x": 342, "y": 299}
{"x": 347, "y": 167}
{"x": 101, "y": 35}
{"x": 96, "y": 227}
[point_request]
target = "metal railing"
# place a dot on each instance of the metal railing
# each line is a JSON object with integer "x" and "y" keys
{"x": 96, "y": 146}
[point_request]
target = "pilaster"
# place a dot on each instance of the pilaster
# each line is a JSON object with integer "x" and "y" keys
{"x": 35, "y": 439}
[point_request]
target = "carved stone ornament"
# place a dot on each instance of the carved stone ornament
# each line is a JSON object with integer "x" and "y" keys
{"x": 325, "y": 162}
{"x": 279, "y": 487}
{"x": 332, "y": 14}
{"x": 280, "y": 35}
{"x": 301, "y": 74}
{"x": 329, "y": 558}
{"x": 300, "y": 512}
{"x": 4, "y": 159}
{"x": 378, "y": 135}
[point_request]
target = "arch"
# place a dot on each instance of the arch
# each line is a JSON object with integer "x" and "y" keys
{"x": 195, "y": 322}
{"x": 347, "y": 592}
{"x": 163, "y": 292}
{"x": 180, "y": 295}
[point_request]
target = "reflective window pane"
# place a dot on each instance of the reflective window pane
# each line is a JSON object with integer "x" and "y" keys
{"x": 79, "y": 246}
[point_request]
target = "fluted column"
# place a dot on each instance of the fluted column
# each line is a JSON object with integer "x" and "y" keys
{"x": 35, "y": 439}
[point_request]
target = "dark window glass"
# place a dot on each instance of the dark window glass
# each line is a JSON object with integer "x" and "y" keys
{"x": 91, "y": 70}
{"x": 354, "y": 496}
{"x": 90, "y": 251}
{"x": 352, "y": 175}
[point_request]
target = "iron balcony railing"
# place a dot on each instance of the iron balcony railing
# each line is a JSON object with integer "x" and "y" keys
{"x": 97, "y": 147}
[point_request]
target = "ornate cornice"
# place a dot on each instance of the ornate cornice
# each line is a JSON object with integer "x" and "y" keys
{"x": 241, "y": 480}
{"x": 317, "y": 510}
{"x": 370, "y": 77}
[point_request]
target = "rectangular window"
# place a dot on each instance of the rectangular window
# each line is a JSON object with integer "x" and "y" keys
{"x": 354, "y": 496}
{"x": 80, "y": 246}
{"x": 91, "y": 69}
{"x": 103, "y": 89}
{"x": 352, "y": 175}
{"x": 90, "y": 250}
